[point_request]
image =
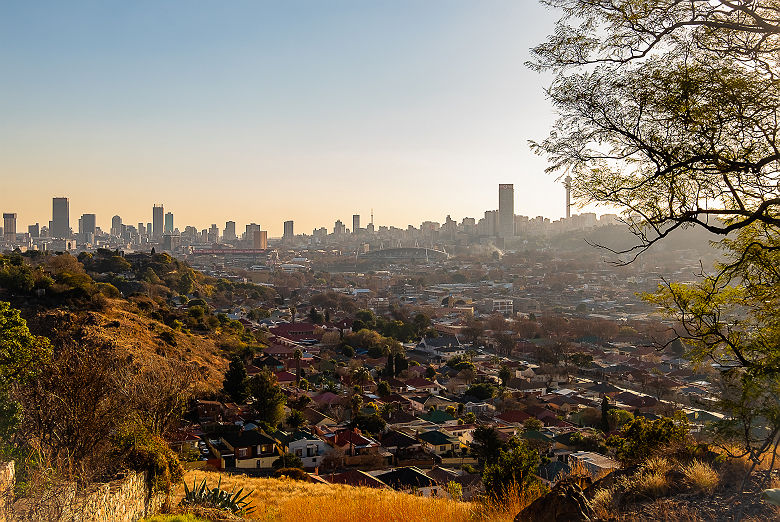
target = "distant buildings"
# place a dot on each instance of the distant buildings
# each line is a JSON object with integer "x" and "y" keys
{"x": 158, "y": 221}
{"x": 229, "y": 234}
{"x": 60, "y": 218}
{"x": 355, "y": 223}
{"x": 288, "y": 230}
{"x": 506, "y": 210}
{"x": 9, "y": 227}
{"x": 168, "y": 226}
{"x": 87, "y": 227}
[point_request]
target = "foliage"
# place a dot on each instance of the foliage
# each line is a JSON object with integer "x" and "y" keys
{"x": 291, "y": 473}
{"x": 481, "y": 391}
{"x": 640, "y": 438}
{"x": 486, "y": 445}
{"x": 216, "y": 497}
{"x": 295, "y": 420}
{"x": 515, "y": 467}
{"x": 288, "y": 460}
{"x": 701, "y": 477}
{"x": 372, "y": 423}
{"x": 139, "y": 450}
{"x": 268, "y": 397}
{"x": 235, "y": 383}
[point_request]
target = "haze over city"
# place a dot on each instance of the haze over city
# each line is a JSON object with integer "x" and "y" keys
{"x": 269, "y": 112}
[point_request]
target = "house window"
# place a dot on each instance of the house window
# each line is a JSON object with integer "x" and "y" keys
{"x": 442, "y": 448}
{"x": 310, "y": 451}
{"x": 241, "y": 452}
{"x": 299, "y": 452}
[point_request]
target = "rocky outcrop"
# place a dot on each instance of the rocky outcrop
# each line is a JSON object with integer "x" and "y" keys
{"x": 564, "y": 503}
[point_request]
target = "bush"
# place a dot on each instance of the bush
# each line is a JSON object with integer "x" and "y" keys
{"x": 292, "y": 473}
{"x": 145, "y": 452}
{"x": 201, "y": 495}
{"x": 701, "y": 477}
{"x": 651, "y": 484}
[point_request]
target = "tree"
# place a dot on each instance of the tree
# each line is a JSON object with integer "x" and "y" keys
{"x": 604, "y": 414}
{"x": 515, "y": 468}
{"x": 235, "y": 382}
{"x": 295, "y": 420}
{"x": 288, "y": 460}
{"x": 383, "y": 389}
{"x": 430, "y": 372}
{"x": 481, "y": 391}
{"x": 297, "y": 354}
{"x": 401, "y": 363}
{"x": 486, "y": 445}
{"x": 640, "y": 438}
{"x": 268, "y": 397}
{"x": 504, "y": 374}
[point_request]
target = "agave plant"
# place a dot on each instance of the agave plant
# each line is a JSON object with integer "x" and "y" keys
{"x": 216, "y": 497}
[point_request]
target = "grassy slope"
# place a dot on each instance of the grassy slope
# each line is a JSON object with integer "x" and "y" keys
{"x": 137, "y": 335}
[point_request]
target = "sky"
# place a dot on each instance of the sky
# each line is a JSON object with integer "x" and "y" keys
{"x": 260, "y": 111}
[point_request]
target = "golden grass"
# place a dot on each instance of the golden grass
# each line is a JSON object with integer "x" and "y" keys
{"x": 652, "y": 484}
{"x": 700, "y": 476}
{"x": 289, "y": 500}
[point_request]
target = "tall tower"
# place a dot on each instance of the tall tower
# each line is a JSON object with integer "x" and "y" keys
{"x": 288, "y": 229}
{"x": 355, "y": 223}
{"x": 158, "y": 219}
{"x": 60, "y": 218}
{"x": 9, "y": 226}
{"x": 168, "y": 226}
{"x": 568, "y": 196}
{"x": 506, "y": 210}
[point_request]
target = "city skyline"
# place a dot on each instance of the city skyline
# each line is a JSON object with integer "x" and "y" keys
{"x": 281, "y": 112}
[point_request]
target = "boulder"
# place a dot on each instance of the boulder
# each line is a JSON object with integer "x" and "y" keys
{"x": 564, "y": 503}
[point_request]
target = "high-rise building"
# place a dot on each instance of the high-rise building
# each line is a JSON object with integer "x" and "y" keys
{"x": 9, "y": 226}
{"x": 338, "y": 227}
{"x": 288, "y": 230}
{"x": 60, "y": 218}
{"x": 213, "y": 235}
{"x": 506, "y": 210}
{"x": 355, "y": 223}
{"x": 229, "y": 234}
{"x": 260, "y": 240}
{"x": 116, "y": 226}
{"x": 87, "y": 227}
{"x": 158, "y": 213}
{"x": 168, "y": 227}
{"x": 34, "y": 230}
{"x": 249, "y": 235}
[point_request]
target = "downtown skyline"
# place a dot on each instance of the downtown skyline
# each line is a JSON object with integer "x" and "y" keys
{"x": 267, "y": 112}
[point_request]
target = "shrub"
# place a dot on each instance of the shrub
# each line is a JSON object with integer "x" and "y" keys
{"x": 292, "y": 473}
{"x": 145, "y": 452}
{"x": 605, "y": 502}
{"x": 658, "y": 465}
{"x": 201, "y": 495}
{"x": 700, "y": 476}
{"x": 651, "y": 484}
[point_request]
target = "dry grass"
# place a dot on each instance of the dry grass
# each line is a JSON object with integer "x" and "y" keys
{"x": 651, "y": 484}
{"x": 666, "y": 510}
{"x": 700, "y": 476}
{"x": 606, "y": 502}
{"x": 289, "y": 500}
{"x": 660, "y": 465}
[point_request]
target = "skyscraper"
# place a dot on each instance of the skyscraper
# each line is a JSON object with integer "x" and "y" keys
{"x": 88, "y": 225}
{"x": 355, "y": 223}
{"x": 506, "y": 210}
{"x": 168, "y": 223}
{"x": 116, "y": 226}
{"x": 157, "y": 222}
{"x": 60, "y": 218}
{"x": 9, "y": 227}
{"x": 34, "y": 230}
{"x": 260, "y": 240}
{"x": 288, "y": 230}
{"x": 229, "y": 234}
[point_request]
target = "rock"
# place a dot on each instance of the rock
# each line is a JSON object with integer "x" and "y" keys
{"x": 564, "y": 503}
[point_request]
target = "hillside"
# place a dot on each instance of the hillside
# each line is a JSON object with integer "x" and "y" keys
{"x": 295, "y": 501}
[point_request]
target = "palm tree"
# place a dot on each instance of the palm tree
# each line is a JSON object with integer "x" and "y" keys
{"x": 362, "y": 375}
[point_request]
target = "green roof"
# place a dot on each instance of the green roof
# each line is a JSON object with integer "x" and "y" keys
{"x": 436, "y": 438}
{"x": 437, "y": 416}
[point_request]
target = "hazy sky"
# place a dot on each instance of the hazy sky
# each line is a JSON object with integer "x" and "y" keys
{"x": 266, "y": 111}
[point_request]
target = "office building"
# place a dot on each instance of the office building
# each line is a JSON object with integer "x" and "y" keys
{"x": 87, "y": 224}
{"x": 60, "y": 218}
{"x": 339, "y": 228}
{"x": 229, "y": 233}
{"x": 506, "y": 210}
{"x": 288, "y": 230}
{"x": 158, "y": 219}
{"x": 213, "y": 235}
{"x": 34, "y": 230}
{"x": 168, "y": 227}
{"x": 260, "y": 239}
{"x": 249, "y": 235}
{"x": 116, "y": 226}
{"x": 355, "y": 223}
{"x": 9, "y": 227}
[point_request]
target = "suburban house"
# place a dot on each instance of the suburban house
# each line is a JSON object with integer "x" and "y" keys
{"x": 438, "y": 442}
{"x": 251, "y": 449}
{"x": 308, "y": 447}
{"x": 412, "y": 480}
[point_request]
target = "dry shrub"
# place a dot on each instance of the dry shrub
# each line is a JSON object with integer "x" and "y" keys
{"x": 516, "y": 500}
{"x": 651, "y": 484}
{"x": 660, "y": 465}
{"x": 700, "y": 476}
{"x": 606, "y": 502}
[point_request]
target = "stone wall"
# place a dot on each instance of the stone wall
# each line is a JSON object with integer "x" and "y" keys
{"x": 126, "y": 499}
